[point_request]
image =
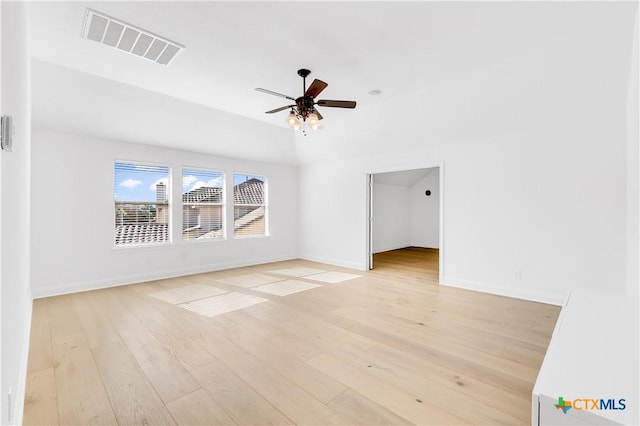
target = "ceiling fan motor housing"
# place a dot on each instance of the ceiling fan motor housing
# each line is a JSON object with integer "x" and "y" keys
{"x": 305, "y": 106}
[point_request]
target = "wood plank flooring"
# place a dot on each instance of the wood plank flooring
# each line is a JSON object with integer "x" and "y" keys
{"x": 389, "y": 347}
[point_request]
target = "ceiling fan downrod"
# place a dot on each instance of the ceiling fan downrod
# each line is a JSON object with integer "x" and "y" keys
{"x": 303, "y": 72}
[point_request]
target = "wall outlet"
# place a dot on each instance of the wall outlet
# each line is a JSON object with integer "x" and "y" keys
{"x": 518, "y": 274}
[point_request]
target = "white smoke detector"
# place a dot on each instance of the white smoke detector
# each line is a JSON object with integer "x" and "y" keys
{"x": 128, "y": 38}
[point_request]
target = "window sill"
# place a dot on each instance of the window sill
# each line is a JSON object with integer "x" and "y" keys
{"x": 250, "y": 237}
{"x": 152, "y": 246}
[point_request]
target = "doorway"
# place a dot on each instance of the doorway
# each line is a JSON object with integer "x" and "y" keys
{"x": 405, "y": 220}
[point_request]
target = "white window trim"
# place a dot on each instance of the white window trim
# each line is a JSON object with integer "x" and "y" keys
{"x": 222, "y": 205}
{"x": 265, "y": 205}
{"x": 151, "y": 245}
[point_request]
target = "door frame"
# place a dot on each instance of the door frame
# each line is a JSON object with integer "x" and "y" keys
{"x": 368, "y": 258}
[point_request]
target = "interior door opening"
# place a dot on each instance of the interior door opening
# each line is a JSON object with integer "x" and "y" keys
{"x": 405, "y": 221}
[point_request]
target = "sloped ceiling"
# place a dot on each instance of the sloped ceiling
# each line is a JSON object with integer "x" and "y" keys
{"x": 407, "y": 50}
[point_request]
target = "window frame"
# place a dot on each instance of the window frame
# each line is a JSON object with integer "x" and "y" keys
{"x": 265, "y": 205}
{"x": 222, "y": 204}
{"x": 141, "y": 245}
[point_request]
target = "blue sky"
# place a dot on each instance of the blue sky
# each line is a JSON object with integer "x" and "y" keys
{"x": 197, "y": 178}
{"x": 239, "y": 178}
{"x": 135, "y": 182}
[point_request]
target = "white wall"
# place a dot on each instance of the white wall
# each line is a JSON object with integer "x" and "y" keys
{"x": 333, "y": 214}
{"x": 391, "y": 217}
{"x": 404, "y": 216}
{"x": 14, "y": 223}
{"x": 72, "y": 252}
{"x": 529, "y": 214}
{"x": 633, "y": 166}
{"x": 425, "y": 211}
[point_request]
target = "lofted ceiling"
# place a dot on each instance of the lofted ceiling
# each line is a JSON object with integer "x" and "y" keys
{"x": 399, "y": 48}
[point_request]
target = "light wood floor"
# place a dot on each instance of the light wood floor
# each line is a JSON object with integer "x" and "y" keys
{"x": 391, "y": 347}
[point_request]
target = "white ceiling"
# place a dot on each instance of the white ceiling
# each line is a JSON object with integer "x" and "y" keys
{"x": 406, "y": 178}
{"x": 404, "y": 49}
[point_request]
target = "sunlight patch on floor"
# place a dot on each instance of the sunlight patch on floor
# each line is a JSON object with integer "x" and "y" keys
{"x": 285, "y": 288}
{"x": 187, "y": 294}
{"x": 218, "y": 305}
{"x": 249, "y": 280}
{"x": 333, "y": 277}
{"x": 298, "y": 272}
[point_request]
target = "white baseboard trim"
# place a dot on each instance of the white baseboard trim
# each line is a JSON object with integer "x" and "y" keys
{"x": 76, "y": 287}
{"x": 389, "y": 248}
{"x": 517, "y": 293}
{"x": 428, "y": 246}
{"x": 20, "y": 392}
{"x": 334, "y": 262}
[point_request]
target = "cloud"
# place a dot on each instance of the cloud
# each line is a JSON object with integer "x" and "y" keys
{"x": 213, "y": 183}
{"x": 130, "y": 183}
{"x": 188, "y": 180}
{"x": 164, "y": 180}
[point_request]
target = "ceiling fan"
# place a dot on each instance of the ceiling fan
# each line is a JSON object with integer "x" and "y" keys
{"x": 305, "y": 106}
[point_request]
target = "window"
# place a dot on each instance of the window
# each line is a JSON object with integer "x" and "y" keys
{"x": 141, "y": 204}
{"x": 202, "y": 204}
{"x": 249, "y": 205}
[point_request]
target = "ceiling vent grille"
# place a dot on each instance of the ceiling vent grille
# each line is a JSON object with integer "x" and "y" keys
{"x": 127, "y": 38}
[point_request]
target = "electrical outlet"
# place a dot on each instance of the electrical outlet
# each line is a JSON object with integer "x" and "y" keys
{"x": 518, "y": 274}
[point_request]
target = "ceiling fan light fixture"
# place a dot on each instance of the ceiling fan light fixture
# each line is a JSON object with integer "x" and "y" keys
{"x": 292, "y": 121}
{"x": 313, "y": 118}
{"x": 314, "y": 121}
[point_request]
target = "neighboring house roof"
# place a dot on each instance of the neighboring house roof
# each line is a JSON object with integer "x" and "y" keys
{"x": 249, "y": 192}
{"x": 205, "y": 194}
{"x": 142, "y": 233}
{"x": 249, "y": 217}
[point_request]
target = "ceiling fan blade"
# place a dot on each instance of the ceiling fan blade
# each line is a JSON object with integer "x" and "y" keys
{"x": 271, "y": 92}
{"x": 316, "y": 87}
{"x": 337, "y": 104}
{"x": 279, "y": 109}
{"x": 320, "y": 117}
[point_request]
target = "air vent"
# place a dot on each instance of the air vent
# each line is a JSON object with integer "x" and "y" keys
{"x": 127, "y": 38}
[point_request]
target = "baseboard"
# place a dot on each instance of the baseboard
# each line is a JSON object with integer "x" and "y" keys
{"x": 428, "y": 246}
{"x": 517, "y": 293}
{"x": 19, "y": 394}
{"x": 76, "y": 287}
{"x": 390, "y": 248}
{"x": 334, "y": 262}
